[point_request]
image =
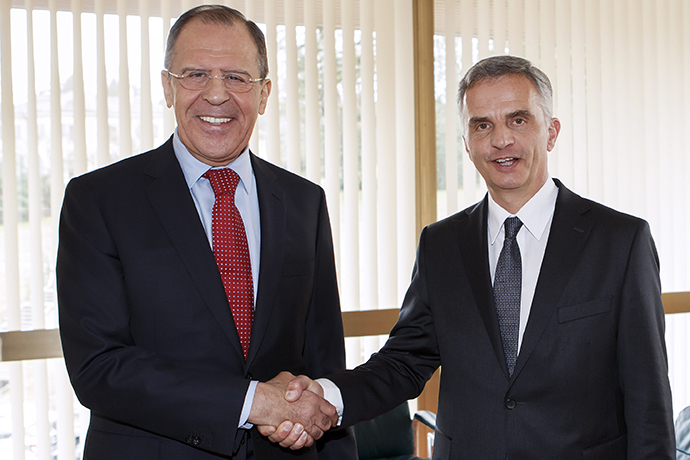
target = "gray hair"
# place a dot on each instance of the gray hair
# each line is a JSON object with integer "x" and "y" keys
{"x": 222, "y": 15}
{"x": 499, "y": 66}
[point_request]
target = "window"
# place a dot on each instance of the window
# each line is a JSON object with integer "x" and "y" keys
{"x": 619, "y": 72}
{"x": 80, "y": 89}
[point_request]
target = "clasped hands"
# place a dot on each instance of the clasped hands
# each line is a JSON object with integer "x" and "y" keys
{"x": 291, "y": 411}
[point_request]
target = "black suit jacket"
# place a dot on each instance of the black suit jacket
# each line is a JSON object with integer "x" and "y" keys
{"x": 148, "y": 336}
{"x": 591, "y": 377}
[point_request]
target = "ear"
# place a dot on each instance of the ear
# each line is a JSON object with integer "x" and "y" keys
{"x": 265, "y": 92}
{"x": 467, "y": 149}
{"x": 554, "y": 129}
{"x": 168, "y": 89}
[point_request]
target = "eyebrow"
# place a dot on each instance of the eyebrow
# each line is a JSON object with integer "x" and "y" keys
{"x": 522, "y": 113}
{"x": 476, "y": 120}
{"x": 224, "y": 72}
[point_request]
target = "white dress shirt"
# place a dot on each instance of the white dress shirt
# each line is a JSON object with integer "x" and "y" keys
{"x": 247, "y": 202}
{"x": 536, "y": 216}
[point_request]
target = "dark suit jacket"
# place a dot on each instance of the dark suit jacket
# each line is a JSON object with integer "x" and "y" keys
{"x": 591, "y": 377}
{"x": 148, "y": 336}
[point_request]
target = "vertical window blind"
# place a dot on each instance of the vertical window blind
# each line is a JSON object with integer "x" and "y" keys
{"x": 80, "y": 88}
{"x": 620, "y": 70}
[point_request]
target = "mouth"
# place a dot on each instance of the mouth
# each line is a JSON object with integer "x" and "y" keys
{"x": 506, "y": 161}
{"x": 216, "y": 121}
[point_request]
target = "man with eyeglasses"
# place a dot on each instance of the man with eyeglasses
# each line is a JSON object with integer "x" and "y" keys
{"x": 192, "y": 274}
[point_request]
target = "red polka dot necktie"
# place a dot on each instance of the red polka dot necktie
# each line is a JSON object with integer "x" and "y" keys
{"x": 232, "y": 252}
{"x": 507, "y": 291}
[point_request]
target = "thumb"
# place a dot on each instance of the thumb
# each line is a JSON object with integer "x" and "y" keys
{"x": 298, "y": 385}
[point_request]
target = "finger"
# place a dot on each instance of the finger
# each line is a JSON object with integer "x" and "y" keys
{"x": 281, "y": 432}
{"x": 284, "y": 376}
{"x": 323, "y": 423}
{"x": 329, "y": 410}
{"x": 293, "y": 439}
{"x": 266, "y": 430}
{"x": 315, "y": 431}
{"x": 304, "y": 441}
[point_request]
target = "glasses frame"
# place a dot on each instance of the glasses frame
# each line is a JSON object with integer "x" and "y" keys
{"x": 182, "y": 78}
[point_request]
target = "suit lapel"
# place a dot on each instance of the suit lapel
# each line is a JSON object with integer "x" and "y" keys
{"x": 273, "y": 225}
{"x": 172, "y": 201}
{"x": 569, "y": 233}
{"x": 474, "y": 253}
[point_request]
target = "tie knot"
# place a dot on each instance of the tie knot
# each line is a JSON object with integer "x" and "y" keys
{"x": 512, "y": 227}
{"x": 223, "y": 181}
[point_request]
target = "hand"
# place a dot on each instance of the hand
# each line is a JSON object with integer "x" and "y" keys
{"x": 299, "y": 423}
{"x": 289, "y": 434}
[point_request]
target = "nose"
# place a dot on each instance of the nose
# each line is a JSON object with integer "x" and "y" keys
{"x": 216, "y": 93}
{"x": 502, "y": 137}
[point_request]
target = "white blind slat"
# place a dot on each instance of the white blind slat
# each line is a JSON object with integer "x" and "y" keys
{"x": 103, "y": 127}
{"x": 369, "y": 261}
{"x": 312, "y": 120}
{"x": 79, "y": 102}
{"x": 331, "y": 131}
{"x": 292, "y": 100}
{"x": 386, "y": 145}
{"x": 350, "y": 222}
{"x": 405, "y": 147}
{"x": 146, "y": 107}
{"x": 125, "y": 135}
{"x": 272, "y": 117}
{"x": 452, "y": 149}
{"x": 580, "y": 161}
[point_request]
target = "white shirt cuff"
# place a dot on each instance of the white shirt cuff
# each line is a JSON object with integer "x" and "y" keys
{"x": 247, "y": 407}
{"x": 331, "y": 393}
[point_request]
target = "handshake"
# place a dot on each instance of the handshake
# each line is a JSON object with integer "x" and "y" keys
{"x": 291, "y": 411}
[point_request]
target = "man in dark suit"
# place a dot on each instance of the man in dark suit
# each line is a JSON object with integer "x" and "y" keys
{"x": 553, "y": 349}
{"x": 149, "y": 324}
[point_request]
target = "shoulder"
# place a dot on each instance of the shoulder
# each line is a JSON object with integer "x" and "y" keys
{"x": 127, "y": 177}
{"x": 469, "y": 219}
{"x": 603, "y": 216}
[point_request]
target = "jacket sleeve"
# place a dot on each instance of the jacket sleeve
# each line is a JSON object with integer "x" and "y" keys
{"x": 642, "y": 356}
{"x": 400, "y": 370}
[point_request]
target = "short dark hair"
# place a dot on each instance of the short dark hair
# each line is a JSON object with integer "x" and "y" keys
{"x": 499, "y": 66}
{"x": 222, "y": 15}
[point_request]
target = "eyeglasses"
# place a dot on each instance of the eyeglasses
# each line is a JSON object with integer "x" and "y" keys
{"x": 199, "y": 80}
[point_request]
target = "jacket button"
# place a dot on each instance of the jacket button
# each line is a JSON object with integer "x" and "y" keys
{"x": 510, "y": 404}
{"x": 193, "y": 440}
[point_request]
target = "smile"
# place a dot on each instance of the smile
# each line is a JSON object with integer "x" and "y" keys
{"x": 216, "y": 121}
{"x": 506, "y": 161}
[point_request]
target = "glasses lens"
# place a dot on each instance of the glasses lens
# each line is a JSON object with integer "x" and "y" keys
{"x": 195, "y": 80}
{"x": 237, "y": 83}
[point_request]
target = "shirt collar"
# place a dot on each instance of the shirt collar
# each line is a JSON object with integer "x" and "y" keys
{"x": 193, "y": 169}
{"x": 535, "y": 214}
